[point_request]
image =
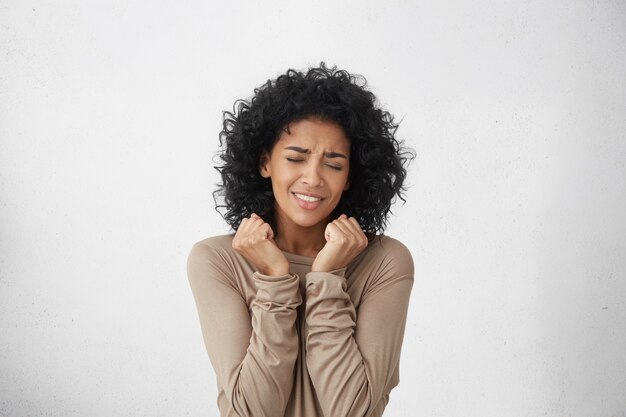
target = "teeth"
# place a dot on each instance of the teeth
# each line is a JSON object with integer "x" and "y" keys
{"x": 306, "y": 197}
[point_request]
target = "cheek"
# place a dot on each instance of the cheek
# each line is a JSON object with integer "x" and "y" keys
{"x": 284, "y": 178}
{"x": 344, "y": 183}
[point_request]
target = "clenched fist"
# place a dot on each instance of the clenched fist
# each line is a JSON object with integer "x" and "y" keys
{"x": 255, "y": 241}
{"x": 344, "y": 241}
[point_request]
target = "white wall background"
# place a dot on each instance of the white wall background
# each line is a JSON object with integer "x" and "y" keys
{"x": 109, "y": 115}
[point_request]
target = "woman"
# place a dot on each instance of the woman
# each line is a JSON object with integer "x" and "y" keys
{"x": 303, "y": 309}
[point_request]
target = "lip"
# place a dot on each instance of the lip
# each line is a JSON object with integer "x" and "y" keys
{"x": 308, "y": 194}
{"x": 307, "y": 205}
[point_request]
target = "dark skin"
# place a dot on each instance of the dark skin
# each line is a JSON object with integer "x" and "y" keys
{"x": 312, "y": 157}
{"x": 255, "y": 241}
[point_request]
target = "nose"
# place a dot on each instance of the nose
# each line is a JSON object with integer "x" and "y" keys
{"x": 311, "y": 175}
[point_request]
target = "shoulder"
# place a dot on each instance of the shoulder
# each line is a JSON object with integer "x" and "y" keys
{"x": 213, "y": 254}
{"x": 388, "y": 256}
{"x": 388, "y": 246}
{"x": 213, "y": 244}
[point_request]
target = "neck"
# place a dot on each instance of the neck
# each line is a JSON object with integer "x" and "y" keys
{"x": 305, "y": 241}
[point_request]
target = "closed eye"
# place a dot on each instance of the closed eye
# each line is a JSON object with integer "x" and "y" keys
{"x": 335, "y": 167}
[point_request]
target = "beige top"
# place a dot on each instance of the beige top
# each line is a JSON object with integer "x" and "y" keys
{"x": 306, "y": 343}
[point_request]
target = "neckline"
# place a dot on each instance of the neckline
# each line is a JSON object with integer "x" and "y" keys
{"x": 308, "y": 260}
{"x": 301, "y": 259}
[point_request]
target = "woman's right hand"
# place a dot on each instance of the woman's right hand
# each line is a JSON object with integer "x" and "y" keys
{"x": 255, "y": 241}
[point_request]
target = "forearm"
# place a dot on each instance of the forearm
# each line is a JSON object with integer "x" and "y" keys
{"x": 333, "y": 358}
{"x": 253, "y": 347}
{"x": 352, "y": 365}
{"x": 266, "y": 378}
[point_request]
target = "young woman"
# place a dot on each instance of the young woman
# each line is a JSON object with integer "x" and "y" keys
{"x": 303, "y": 308}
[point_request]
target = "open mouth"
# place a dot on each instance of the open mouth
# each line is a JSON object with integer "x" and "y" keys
{"x": 307, "y": 197}
{"x": 306, "y": 201}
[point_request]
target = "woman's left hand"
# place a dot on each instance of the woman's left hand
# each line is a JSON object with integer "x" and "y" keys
{"x": 344, "y": 241}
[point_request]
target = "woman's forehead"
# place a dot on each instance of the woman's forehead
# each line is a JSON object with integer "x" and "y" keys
{"x": 315, "y": 135}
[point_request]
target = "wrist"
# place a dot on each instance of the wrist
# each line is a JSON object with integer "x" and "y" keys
{"x": 275, "y": 270}
{"x": 321, "y": 268}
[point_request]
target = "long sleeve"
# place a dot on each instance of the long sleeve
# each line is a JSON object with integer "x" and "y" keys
{"x": 252, "y": 351}
{"x": 353, "y": 357}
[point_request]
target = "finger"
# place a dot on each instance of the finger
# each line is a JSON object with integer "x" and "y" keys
{"x": 255, "y": 217}
{"x": 248, "y": 225}
{"x": 351, "y": 221}
{"x": 242, "y": 225}
{"x": 359, "y": 231}
{"x": 253, "y": 222}
{"x": 344, "y": 228}
{"x": 355, "y": 224}
{"x": 331, "y": 232}
{"x": 350, "y": 224}
{"x": 258, "y": 230}
{"x": 268, "y": 232}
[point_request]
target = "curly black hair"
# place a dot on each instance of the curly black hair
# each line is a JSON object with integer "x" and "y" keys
{"x": 377, "y": 159}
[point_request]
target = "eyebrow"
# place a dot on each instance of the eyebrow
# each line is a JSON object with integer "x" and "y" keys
{"x": 326, "y": 154}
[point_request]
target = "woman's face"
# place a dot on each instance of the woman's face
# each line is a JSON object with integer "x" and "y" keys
{"x": 309, "y": 167}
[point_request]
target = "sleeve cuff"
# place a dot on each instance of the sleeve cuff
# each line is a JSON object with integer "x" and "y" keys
{"x": 326, "y": 284}
{"x": 273, "y": 278}
{"x": 282, "y": 289}
{"x": 341, "y": 272}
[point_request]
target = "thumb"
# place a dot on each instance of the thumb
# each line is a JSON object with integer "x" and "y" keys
{"x": 330, "y": 231}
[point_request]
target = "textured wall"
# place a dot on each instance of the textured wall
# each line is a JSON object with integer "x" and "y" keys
{"x": 109, "y": 114}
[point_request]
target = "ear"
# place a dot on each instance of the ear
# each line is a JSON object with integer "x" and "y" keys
{"x": 264, "y": 169}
